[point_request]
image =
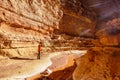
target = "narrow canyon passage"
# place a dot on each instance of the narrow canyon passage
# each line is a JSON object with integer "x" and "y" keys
{"x": 80, "y": 39}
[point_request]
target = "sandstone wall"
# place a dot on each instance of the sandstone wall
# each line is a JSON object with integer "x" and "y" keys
{"x": 23, "y": 23}
{"x": 75, "y": 18}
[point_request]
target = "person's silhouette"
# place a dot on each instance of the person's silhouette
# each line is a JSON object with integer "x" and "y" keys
{"x": 39, "y": 50}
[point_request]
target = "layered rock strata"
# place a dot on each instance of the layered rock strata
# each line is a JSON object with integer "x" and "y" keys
{"x": 24, "y": 23}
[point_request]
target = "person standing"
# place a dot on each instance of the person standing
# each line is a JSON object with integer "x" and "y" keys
{"x": 39, "y": 50}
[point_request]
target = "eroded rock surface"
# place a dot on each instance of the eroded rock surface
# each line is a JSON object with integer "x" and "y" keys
{"x": 63, "y": 25}
{"x": 24, "y": 23}
{"x": 99, "y": 64}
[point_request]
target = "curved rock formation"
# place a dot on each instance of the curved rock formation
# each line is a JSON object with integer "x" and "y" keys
{"x": 99, "y": 62}
{"x": 74, "y": 22}
{"x": 61, "y": 25}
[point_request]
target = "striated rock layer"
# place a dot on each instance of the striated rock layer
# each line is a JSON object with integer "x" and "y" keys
{"x": 24, "y": 23}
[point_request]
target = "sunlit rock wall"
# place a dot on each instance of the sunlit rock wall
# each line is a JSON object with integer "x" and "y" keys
{"x": 26, "y": 22}
{"x": 23, "y": 23}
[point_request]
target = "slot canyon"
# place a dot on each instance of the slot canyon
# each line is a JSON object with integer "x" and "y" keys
{"x": 74, "y": 39}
